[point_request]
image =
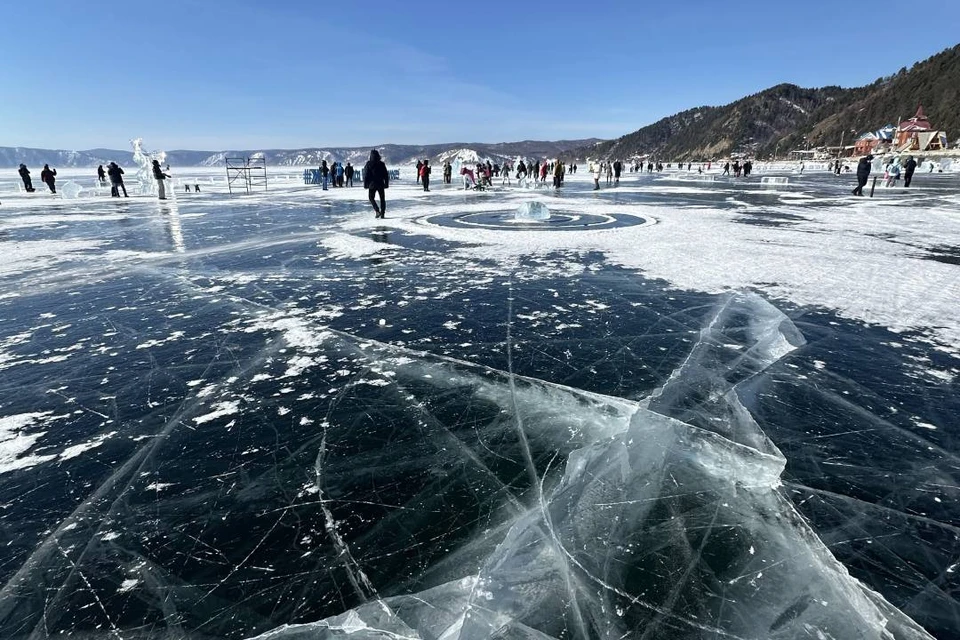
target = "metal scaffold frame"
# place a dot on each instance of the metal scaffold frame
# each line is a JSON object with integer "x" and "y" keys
{"x": 249, "y": 172}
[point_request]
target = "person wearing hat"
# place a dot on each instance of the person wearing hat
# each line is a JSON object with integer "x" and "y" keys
{"x": 863, "y": 172}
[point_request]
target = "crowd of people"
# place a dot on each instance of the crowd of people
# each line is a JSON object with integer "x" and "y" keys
{"x": 113, "y": 171}
{"x": 480, "y": 175}
{"x": 336, "y": 174}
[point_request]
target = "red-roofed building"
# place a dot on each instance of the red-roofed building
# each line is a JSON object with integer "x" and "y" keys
{"x": 918, "y": 122}
{"x": 916, "y": 134}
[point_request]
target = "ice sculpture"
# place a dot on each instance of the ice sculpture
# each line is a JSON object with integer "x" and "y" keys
{"x": 70, "y": 190}
{"x": 532, "y": 212}
{"x": 144, "y": 160}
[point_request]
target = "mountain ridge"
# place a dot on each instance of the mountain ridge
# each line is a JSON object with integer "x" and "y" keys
{"x": 786, "y": 116}
{"x": 11, "y": 157}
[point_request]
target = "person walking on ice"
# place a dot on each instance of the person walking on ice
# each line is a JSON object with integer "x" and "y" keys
{"x": 863, "y": 172}
{"x": 376, "y": 179}
{"x": 892, "y": 173}
{"x": 116, "y": 180}
{"x": 25, "y": 176}
{"x": 160, "y": 176}
{"x": 425, "y": 175}
{"x": 908, "y": 170}
{"x": 49, "y": 177}
{"x": 349, "y": 173}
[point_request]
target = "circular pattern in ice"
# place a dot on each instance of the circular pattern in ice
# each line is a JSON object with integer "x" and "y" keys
{"x": 558, "y": 221}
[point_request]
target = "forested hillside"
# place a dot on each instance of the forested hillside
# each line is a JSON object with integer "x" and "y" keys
{"x": 787, "y": 117}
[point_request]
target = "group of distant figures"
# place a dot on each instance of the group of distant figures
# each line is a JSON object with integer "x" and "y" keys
{"x": 336, "y": 174}
{"x": 482, "y": 174}
{"x": 116, "y": 179}
{"x": 48, "y": 176}
{"x": 891, "y": 172}
{"x": 113, "y": 171}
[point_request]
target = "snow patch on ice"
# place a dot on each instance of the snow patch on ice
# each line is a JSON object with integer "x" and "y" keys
{"x": 77, "y": 449}
{"x": 16, "y": 441}
{"x": 220, "y": 409}
{"x": 342, "y": 245}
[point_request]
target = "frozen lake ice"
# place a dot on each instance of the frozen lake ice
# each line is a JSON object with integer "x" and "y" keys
{"x": 677, "y": 408}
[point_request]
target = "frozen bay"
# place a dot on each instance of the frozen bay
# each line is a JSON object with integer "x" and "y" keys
{"x": 679, "y": 408}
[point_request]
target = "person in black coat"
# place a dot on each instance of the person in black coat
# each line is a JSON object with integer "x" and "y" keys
{"x": 116, "y": 180}
{"x": 863, "y": 172}
{"x": 348, "y": 172}
{"x": 324, "y": 173}
{"x": 375, "y": 180}
{"x": 101, "y": 175}
{"x": 160, "y": 176}
{"x": 908, "y": 170}
{"x": 49, "y": 177}
{"x": 25, "y": 176}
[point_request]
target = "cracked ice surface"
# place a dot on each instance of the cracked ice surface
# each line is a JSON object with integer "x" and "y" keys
{"x": 270, "y": 416}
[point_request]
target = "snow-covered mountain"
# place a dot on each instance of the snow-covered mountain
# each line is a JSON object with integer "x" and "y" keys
{"x": 392, "y": 154}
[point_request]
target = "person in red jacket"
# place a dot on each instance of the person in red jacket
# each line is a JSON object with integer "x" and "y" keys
{"x": 425, "y": 175}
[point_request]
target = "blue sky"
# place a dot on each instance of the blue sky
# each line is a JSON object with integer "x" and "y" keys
{"x": 270, "y": 74}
